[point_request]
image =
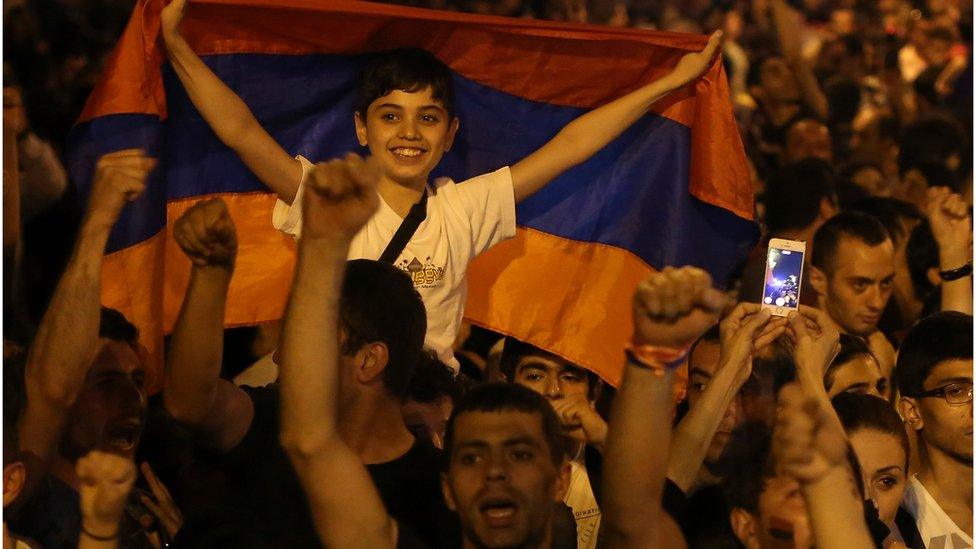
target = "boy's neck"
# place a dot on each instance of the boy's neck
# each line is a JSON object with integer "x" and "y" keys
{"x": 950, "y": 482}
{"x": 401, "y": 197}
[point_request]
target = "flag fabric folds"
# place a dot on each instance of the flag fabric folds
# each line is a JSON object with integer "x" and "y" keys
{"x": 674, "y": 189}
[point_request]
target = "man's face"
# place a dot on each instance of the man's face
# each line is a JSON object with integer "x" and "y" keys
{"x": 808, "y": 139}
{"x": 856, "y": 292}
{"x": 501, "y": 479}
{"x": 860, "y": 375}
{"x": 408, "y": 132}
{"x": 553, "y": 378}
{"x": 111, "y": 409}
{"x": 428, "y": 420}
{"x": 948, "y": 427}
{"x": 782, "y": 521}
{"x": 778, "y": 82}
{"x": 883, "y": 461}
{"x": 702, "y": 365}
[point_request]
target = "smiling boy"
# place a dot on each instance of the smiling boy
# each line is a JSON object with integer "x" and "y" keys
{"x": 405, "y": 116}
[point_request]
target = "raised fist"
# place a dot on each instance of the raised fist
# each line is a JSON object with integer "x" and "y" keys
{"x": 807, "y": 441}
{"x": 675, "y": 306}
{"x": 206, "y": 234}
{"x": 340, "y": 197}
{"x": 120, "y": 177}
{"x": 104, "y": 483}
{"x": 948, "y": 216}
{"x": 171, "y": 17}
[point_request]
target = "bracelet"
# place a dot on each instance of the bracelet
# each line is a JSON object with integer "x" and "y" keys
{"x": 100, "y": 538}
{"x": 658, "y": 359}
{"x": 956, "y": 274}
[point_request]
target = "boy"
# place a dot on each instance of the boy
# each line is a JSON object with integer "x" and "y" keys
{"x": 405, "y": 116}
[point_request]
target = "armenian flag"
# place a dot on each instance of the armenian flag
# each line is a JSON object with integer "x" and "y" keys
{"x": 673, "y": 189}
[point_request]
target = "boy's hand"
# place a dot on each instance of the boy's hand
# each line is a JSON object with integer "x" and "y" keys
{"x": 340, "y": 197}
{"x": 675, "y": 306}
{"x": 807, "y": 443}
{"x": 693, "y": 65}
{"x": 948, "y": 216}
{"x": 166, "y": 511}
{"x": 104, "y": 483}
{"x": 171, "y": 17}
{"x": 747, "y": 329}
{"x": 581, "y": 420}
{"x": 207, "y": 235}
{"x": 120, "y": 177}
{"x": 817, "y": 340}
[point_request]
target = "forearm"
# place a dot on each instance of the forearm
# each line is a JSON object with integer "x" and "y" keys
{"x": 784, "y": 19}
{"x": 810, "y": 377}
{"x": 957, "y": 295}
{"x": 196, "y": 352}
{"x": 836, "y": 511}
{"x": 636, "y": 457}
{"x": 694, "y": 434}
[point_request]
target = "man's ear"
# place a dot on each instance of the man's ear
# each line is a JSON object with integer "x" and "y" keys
{"x": 745, "y": 525}
{"x": 818, "y": 281}
{"x": 932, "y": 273}
{"x": 448, "y": 493}
{"x": 14, "y": 479}
{"x": 360, "y": 128}
{"x": 452, "y": 133}
{"x": 376, "y": 356}
{"x": 561, "y": 486}
{"x": 908, "y": 409}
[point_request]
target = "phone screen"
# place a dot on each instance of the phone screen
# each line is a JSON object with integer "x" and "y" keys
{"x": 783, "y": 270}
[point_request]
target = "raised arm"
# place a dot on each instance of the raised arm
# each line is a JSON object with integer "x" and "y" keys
{"x": 67, "y": 337}
{"x": 785, "y": 21}
{"x": 585, "y": 136}
{"x": 104, "y": 483}
{"x": 227, "y": 114}
{"x": 671, "y": 309}
{"x": 341, "y": 198}
{"x": 193, "y": 392}
{"x": 746, "y": 329}
{"x": 817, "y": 343}
{"x": 948, "y": 217}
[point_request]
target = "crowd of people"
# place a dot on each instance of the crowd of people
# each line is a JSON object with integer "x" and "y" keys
{"x": 373, "y": 416}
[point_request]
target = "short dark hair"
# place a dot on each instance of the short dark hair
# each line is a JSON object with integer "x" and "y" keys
{"x": 851, "y": 347}
{"x": 933, "y": 137}
{"x": 515, "y": 350}
{"x": 794, "y": 193}
{"x": 857, "y": 411}
{"x": 938, "y": 338}
{"x": 113, "y": 325}
{"x": 433, "y": 379}
{"x": 509, "y": 397}
{"x": 935, "y": 172}
{"x": 843, "y": 98}
{"x": 380, "y": 304}
{"x": 712, "y": 335}
{"x": 854, "y": 225}
{"x": 406, "y": 69}
{"x": 746, "y": 464}
{"x": 890, "y": 212}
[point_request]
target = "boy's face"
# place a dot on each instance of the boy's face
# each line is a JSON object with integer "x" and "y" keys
{"x": 857, "y": 291}
{"x": 501, "y": 479}
{"x": 946, "y": 428}
{"x": 408, "y": 132}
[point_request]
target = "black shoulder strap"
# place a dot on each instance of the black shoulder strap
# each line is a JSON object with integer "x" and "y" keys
{"x": 416, "y": 216}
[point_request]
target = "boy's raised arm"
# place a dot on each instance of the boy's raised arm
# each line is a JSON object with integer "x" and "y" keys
{"x": 341, "y": 199}
{"x": 227, "y": 114}
{"x": 585, "y": 136}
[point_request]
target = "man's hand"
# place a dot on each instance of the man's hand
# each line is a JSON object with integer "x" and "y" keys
{"x": 807, "y": 442}
{"x": 171, "y": 17}
{"x": 948, "y": 216}
{"x": 104, "y": 484}
{"x": 120, "y": 177}
{"x": 672, "y": 308}
{"x": 340, "y": 197}
{"x": 206, "y": 234}
{"x": 817, "y": 340}
{"x": 166, "y": 511}
{"x": 747, "y": 329}
{"x": 581, "y": 420}
{"x": 693, "y": 65}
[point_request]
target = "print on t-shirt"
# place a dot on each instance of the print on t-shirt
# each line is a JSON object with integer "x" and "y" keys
{"x": 423, "y": 275}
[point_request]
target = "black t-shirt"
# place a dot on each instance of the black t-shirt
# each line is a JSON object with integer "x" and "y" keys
{"x": 265, "y": 484}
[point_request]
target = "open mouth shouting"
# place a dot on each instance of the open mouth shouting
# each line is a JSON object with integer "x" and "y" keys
{"x": 498, "y": 512}
{"x": 123, "y": 435}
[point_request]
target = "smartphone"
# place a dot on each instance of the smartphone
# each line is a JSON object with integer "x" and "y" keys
{"x": 784, "y": 275}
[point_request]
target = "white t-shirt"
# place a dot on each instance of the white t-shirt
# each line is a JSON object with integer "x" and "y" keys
{"x": 937, "y": 529}
{"x": 463, "y": 220}
{"x": 580, "y": 498}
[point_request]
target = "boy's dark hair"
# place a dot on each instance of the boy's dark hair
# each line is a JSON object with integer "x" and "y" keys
{"x": 891, "y": 212}
{"x": 854, "y": 225}
{"x": 851, "y": 347}
{"x": 746, "y": 464}
{"x": 409, "y": 70}
{"x": 515, "y": 350}
{"x": 509, "y": 397}
{"x": 935, "y": 172}
{"x": 858, "y": 411}
{"x": 921, "y": 254}
{"x": 712, "y": 335}
{"x": 113, "y": 325}
{"x": 938, "y": 338}
{"x": 380, "y": 304}
{"x": 843, "y": 99}
{"x": 433, "y": 379}
{"x": 934, "y": 137}
{"x": 794, "y": 193}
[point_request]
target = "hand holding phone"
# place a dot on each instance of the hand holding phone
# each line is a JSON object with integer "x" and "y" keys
{"x": 784, "y": 275}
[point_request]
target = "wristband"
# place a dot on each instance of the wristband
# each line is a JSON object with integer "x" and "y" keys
{"x": 100, "y": 538}
{"x": 956, "y": 274}
{"x": 658, "y": 359}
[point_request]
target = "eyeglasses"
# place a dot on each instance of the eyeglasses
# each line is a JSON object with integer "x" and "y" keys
{"x": 953, "y": 393}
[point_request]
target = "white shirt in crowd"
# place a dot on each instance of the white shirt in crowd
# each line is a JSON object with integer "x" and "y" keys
{"x": 463, "y": 220}
{"x": 580, "y": 498}
{"x": 937, "y": 529}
